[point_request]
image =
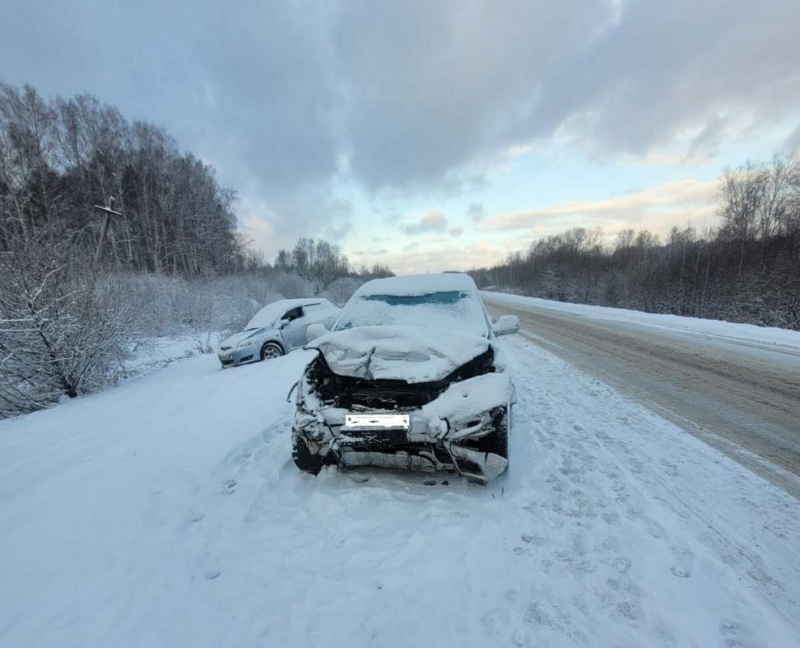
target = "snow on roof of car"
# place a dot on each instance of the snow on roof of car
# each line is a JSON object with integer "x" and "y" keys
{"x": 447, "y": 301}
{"x": 271, "y": 312}
{"x": 424, "y": 284}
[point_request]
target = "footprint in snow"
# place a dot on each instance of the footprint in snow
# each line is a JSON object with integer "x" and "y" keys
{"x": 670, "y": 468}
{"x": 654, "y": 528}
{"x": 617, "y": 486}
{"x": 683, "y": 558}
{"x": 621, "y": 565}
{"x": 610, "y": 518}
{"x": 636, "y": 466}
{"x": 228, "y": 486}
{"x": 537, "y": 541}
{"x": 730, "y": 632}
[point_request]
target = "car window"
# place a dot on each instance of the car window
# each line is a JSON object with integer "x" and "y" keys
{"x": 293, "y": 314}
{"x": 448, "y": 297}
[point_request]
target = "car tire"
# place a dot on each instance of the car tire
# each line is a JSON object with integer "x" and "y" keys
{"x": 271, "y": 350}
{"x": 305, "y": 461}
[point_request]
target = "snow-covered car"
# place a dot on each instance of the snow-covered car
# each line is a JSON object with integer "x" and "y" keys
{"x": 411, "y": 376}
{"x": 276, "y": 329}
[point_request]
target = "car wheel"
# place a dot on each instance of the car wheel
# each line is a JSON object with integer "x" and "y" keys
{"x": 305, "y": 461}
{"x": 271, "y": 350}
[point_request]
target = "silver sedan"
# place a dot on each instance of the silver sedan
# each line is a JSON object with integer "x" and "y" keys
{"x": 276, "y": 329}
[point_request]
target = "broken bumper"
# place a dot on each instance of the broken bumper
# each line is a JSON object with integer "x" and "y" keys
{"x": 464, "y": 430}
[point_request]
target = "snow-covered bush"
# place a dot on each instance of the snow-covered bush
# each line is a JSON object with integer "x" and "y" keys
{"x": 65, "y": 330}
{"x": 62, "y": 333}
{"x": 293, "y": 286}
{"x": 342, "y": 289}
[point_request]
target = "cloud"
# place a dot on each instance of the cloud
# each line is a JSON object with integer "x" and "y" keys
{"x": 412, "y": 96}
{"x": 476, "y": 212}
{"x": 657, "y": 208}
{"x": 433, "y": 221}
{"x": 456, "y": 231}
{"x": 445, "y": 256}
{"x": 436, "y": 87}
{"x": 792, "y": 144}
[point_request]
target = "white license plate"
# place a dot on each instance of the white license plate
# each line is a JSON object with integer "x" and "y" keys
{"x": 372, "y": 421}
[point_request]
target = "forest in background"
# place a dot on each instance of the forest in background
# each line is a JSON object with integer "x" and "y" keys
{"x": 745, "y": 270}
{"x": 74, "y": 300}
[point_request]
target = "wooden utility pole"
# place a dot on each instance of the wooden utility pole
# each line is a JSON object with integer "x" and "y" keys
{"x": 108, "y": 210}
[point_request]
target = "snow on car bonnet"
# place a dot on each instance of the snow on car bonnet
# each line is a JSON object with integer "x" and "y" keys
{"x": 408, "y": 353}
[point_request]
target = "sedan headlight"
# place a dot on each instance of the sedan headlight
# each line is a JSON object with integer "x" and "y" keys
{"x": 246, "y": 343}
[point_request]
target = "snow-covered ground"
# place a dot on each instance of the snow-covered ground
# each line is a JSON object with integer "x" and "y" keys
{"x": 168, "y": 512}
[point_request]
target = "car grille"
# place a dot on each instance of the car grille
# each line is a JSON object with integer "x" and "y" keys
{"x": 383, "y": 396}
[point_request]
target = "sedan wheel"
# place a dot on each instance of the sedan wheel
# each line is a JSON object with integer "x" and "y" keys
{"x": 271, "y": 350}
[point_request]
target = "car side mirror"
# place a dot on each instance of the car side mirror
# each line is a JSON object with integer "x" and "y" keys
{"x": 315, "y": 330}
{"x": 506, "y": 325}
{"x": 284, "y": 323}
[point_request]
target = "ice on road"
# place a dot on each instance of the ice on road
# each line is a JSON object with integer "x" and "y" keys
{"x": 168, "y": 512}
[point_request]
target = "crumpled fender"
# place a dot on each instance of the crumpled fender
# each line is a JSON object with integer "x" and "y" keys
{"x": 466, "y": 402}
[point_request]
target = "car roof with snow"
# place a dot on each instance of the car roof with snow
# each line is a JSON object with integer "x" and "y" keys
{"x": 271, "y": 312}
{"x": 423, "y": 284}
{"x": 447, "y": 301}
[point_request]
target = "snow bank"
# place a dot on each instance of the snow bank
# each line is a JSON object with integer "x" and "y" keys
{"x": 721, "y": 331}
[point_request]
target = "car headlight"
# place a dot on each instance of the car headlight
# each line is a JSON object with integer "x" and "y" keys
{"x": 246, "y": 343}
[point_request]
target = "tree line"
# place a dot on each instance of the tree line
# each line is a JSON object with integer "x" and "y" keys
{"x": 172, "y": 261}
{"x": 61, "y": 157}
{"x": 745, "y": 270}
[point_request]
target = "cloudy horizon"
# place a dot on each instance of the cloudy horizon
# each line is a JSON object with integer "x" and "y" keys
{"x": 437, "y": 135}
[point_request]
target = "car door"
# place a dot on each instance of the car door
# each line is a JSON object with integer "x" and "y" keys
{"x": 294, "y": 332}
{"x": 321, "y": 312}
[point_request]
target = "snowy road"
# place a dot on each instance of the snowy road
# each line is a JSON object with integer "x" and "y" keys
{"x": 736, "y": 387}
{"x": 167, "y": 512}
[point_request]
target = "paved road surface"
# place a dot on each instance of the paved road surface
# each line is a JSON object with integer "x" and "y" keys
{"x": 742, "y": 399}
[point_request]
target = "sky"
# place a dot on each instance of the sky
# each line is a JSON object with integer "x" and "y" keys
{"x": 435, "y": 134}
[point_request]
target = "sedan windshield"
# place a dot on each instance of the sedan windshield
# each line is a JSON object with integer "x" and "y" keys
{"x": 451, "y": 309}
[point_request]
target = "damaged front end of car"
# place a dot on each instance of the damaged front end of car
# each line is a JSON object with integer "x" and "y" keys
{"x": 459, "y": 422}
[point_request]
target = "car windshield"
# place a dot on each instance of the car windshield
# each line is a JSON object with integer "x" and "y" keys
{"x": 450, "y": 309}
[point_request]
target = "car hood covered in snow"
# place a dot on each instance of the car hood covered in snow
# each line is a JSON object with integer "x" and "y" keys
{"x": 409, "y": 353}
{"x": 236, "y": 338}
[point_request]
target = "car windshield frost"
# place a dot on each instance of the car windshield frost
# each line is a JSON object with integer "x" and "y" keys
{"x": 450, "y": 309}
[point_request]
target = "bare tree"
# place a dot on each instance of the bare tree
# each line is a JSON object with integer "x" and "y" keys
{"x": 61, "y": 334}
